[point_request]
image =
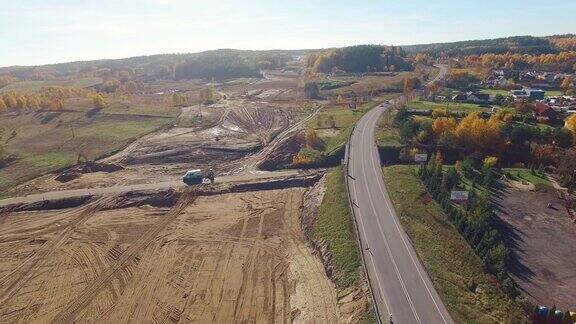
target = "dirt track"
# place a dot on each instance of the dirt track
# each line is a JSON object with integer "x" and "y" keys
{"x": 234, "y": 257}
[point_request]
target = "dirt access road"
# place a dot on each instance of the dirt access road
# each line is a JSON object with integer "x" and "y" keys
{"x": 237, "y": 257}
{"x": 175, "y": 184}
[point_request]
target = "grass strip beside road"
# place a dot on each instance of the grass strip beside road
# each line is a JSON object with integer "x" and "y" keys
{"x": 470, "y": 294}
{"x": 335, "y": 227}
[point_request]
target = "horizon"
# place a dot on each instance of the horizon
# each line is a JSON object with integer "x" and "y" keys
{"x": 265, "y": 50}
{"x": 65, "y": 31}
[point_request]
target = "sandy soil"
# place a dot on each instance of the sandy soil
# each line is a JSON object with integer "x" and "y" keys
{"x": 541, "y": 266}
{"x": 225, "y": 258}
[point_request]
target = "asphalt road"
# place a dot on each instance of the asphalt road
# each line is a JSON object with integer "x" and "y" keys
{"x": 399, "y": 283}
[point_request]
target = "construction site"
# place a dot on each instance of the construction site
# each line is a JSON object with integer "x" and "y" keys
{"x": 124, "y": 239}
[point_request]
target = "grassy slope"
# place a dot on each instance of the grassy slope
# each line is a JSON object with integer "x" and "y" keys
{"x": 344, "y": 119}
{"x": 335, "y": 226}
{"x": 45, "y": 147}
{"x": 31, "y": 86}
{"x": 388, "y": 137}
{"x": 450, "y": 262}
{"x": 526, "y": 175}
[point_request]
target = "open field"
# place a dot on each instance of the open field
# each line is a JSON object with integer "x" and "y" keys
{"x": 334, "y": 123}
{"x": 45, "y": 141}
{"x": 31, "y": 86}
{"x": 468, "y": 292}
{"x": 506, "y": 93}
{"x": 232, "y": 257}
{"x": 451, "y": 106}
{"x": 526, "y": 175}
{"x": 541, "y": 241}
{"x": 370, "y": 84}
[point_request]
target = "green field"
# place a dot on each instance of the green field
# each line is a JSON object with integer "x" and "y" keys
{"x": 520, "y": 174}
{"x": 389, "y": 137}
{"x": 470, "y": 294}
{"x": 49, "y": 141}
{"x": 31, "y": 86}
{"x": 451, "y": 106}
{"x": 335, "y": 226}
{"x": 506, "y": 93}
{"x": 344, "y": 120}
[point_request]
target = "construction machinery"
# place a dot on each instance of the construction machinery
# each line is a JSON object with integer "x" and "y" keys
{"x": 198, "y": 176}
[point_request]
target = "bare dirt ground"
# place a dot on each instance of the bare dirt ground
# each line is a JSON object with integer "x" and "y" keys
{"x": 542, "y": 242}
{"x": 237, "y": 257}
{"x": 230, "y": 136}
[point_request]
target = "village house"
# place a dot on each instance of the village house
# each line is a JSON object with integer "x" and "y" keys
{"x": 475, "y": 97}
{"x": 530, "y": 94}
{"x": 544, "y": 113}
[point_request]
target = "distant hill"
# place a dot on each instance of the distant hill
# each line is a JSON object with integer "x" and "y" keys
{"x": 230, "y": 63}
{"x": 222, "y": 63}
{"x": 516, "y": 44}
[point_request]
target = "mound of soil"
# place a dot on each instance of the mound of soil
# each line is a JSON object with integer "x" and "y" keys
{"x": 76, "y": 171}
{"x": 282, "y": 154}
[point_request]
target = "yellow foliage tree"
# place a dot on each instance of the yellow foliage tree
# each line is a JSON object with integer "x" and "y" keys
{"x": 567, "y": 84}
{"x": 570, "y": 123}
{"x": 490, "y": 161}
{"x": 99, "y": 101}
{"x": 21, "y": 102}
{"x": 301, "y": 159}
{"x": 10, "y": 100}
{"x": 33, "y": 102}
{"x": 443, "y": 125}
{"x": 2, "y": 105}
{"x": 473, "y": 133}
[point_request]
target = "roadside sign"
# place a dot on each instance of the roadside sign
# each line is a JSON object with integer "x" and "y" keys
{"x": 422, "y": 157}
{"x": 459, "y": 196}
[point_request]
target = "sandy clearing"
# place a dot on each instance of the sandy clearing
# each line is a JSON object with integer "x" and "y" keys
{"x": 540, "y": 266}
{"x": 227, "y": 258}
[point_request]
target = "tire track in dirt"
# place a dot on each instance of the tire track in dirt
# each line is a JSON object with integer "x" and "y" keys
{"x": 17, "y": 278}
{"x": 69, "y": 313}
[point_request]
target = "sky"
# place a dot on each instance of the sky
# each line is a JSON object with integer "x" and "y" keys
{"x": 51, "y": 31}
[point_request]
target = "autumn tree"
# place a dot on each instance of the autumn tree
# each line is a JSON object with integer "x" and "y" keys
{"x": 21, "y": 102}
{"x": 542, "y": 154}
{"x": 474, "y": 134}
{"x": 409, "y": 85}
{"x": 490, "y": 162}
{"x": 33, "y": 102}
{"x": 110, "y": 85}
{"x": 56, "y": 104}
{"x": 443, "y": 125}
{"x": 99, "y": 101}
{"x": 570, "y": 123}
{"x": 2, "y": 105}
{"x": 567, "y": 84}
{"x": 10, "y": 100}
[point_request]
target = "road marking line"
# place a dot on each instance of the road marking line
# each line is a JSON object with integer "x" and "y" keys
{"x": 371, "y": 257}
{"x": 386, "y": 198}
{"x": 398, "y": 275}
